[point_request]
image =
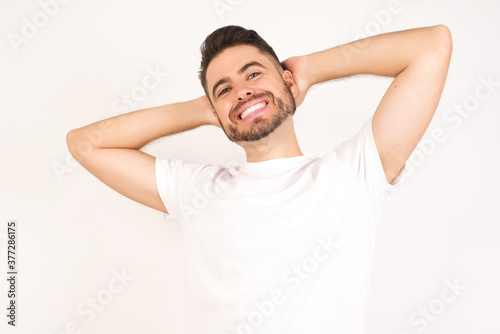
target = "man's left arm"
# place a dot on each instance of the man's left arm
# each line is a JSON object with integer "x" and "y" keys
{"x": 418, "y": 59}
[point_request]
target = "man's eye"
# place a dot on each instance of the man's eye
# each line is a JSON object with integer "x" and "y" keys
{"x": 224, "y": 91}
{"x": 253, "y": 75}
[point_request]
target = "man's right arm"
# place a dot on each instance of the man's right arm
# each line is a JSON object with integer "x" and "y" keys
{"x": 109, "y": 149}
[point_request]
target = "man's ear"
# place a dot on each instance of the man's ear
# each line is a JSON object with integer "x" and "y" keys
{"x": 290, "y": 81}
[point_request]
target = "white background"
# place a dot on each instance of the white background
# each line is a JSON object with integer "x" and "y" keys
{"x": 73, "y": 232}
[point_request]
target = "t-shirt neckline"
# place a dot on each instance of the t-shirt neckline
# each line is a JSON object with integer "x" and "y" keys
{"x": 269, "y": 167}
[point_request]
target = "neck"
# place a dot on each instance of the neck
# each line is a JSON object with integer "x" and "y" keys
{"x": 281, "y": 143}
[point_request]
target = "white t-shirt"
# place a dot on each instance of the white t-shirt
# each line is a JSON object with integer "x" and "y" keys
{"x": 282, "y": 246}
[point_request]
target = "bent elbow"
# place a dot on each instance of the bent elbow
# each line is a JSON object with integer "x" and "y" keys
{"x": 73, "y": 142}
{"x": 444, "y": 40}
{"x": 70, "y": 139}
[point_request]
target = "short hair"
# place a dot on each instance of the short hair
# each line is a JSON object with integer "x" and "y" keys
{"x": 229, "y": 36}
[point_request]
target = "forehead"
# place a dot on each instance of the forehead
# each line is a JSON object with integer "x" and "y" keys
{"x": 229, "y": 61}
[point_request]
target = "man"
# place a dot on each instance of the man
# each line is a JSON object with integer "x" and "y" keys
{"x": 282, "y": 244}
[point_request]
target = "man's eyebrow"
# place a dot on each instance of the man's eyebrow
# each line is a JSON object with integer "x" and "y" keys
{"x": 240, "y": 71}
{"x": 250, "y": 64}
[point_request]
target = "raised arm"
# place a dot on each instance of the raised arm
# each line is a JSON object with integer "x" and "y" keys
{"x": 109, "y": 149}
{"x": 418, "y": 59}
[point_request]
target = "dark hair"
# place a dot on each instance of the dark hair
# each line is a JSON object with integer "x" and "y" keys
{"x": 226, "y": 37}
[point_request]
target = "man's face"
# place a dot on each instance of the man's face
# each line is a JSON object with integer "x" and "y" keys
{"x": 250, "y": 96}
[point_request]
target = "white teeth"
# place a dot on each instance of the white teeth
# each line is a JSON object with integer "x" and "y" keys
{"x": 252, "y": 109}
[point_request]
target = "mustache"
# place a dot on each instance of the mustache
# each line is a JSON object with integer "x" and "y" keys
{"x": 240, "y": 104}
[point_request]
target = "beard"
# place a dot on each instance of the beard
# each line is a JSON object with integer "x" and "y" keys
{"x": 261, "y": 128}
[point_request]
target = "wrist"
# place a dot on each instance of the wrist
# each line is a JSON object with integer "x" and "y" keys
{"x": 204, "y": 111}
{"x": 316, "y": 69}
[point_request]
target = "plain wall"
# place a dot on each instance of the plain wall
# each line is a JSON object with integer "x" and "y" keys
{"x": 75, "y": 235}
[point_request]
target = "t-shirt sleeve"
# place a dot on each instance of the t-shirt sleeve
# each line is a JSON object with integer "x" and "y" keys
{"x": 362, "y": 161}
{"x": 175, "y": 181}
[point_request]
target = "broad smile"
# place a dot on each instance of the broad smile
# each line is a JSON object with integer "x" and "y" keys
{"x": 252, "y": 108}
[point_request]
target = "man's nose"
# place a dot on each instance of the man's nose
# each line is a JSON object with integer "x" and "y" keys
{"x": 244, "y": 92}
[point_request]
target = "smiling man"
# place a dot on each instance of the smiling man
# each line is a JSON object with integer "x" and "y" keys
{"x": 283, "y": 243}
